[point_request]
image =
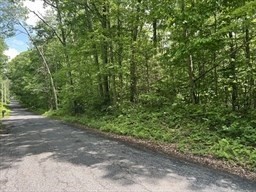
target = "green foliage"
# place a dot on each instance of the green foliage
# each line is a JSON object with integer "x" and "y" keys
{"x": 9, "y": 13}
{"x": 242, "y": 131}
{"x": 148, "y": 52}
{"x": 236, "y": 152}
{"x": 26, "y": 84}
{"x": 170, "y": 71}
{"x": 191, "y": 133}
{"x": 4, "y": 107}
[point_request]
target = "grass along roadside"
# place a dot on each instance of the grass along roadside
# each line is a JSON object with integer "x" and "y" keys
{"x": 214, "y": 135}
{"x": 7, "y": 113}
{"x": 6, "y": 109}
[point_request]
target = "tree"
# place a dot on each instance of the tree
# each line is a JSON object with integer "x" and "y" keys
{"x": 46, "y": 65}
{"x": 10, "y": 11}
{"x": 103, "y": 53}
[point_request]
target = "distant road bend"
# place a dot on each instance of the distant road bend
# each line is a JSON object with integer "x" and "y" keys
{"x": 43, "y": 155}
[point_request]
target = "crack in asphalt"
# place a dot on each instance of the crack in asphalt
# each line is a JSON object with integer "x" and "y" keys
{"x": 78, "y": 180}
{"x": 96, "y": 180}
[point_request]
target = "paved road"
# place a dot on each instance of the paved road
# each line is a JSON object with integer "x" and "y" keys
{"x": 47, "y": 156}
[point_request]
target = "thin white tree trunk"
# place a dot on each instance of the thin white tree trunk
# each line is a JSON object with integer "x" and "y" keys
{"x": 54, "y": 92}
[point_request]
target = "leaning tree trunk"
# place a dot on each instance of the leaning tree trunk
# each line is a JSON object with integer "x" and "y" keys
{"x": 54, "y": 92}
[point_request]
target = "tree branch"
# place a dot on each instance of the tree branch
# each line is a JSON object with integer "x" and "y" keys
{"x": 220, "y": 62}
{"x": 40, "y": 52}
{"x": 51, "y": 4}
{"x": 53, "y": 30}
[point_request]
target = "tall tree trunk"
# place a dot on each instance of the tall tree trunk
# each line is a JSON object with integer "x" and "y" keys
{"x": 192, "y": 84}
{"x": 113, "y": 76}
{"x": 120, "y": 50}
{"x": 133, "y": 69}
{"x": 2, "y": 93}
{"x": 233, "y": 72}
{"x": 214, "y": 57}
{"x": 147, "y": 73}
{"x": 190, "y": 64}
{"x": 251, "y": 90}
{"x": 5, "y": 92}
{"x": 155, "y": 33}
{"x": 97, "y": 63}
{"x": 64, "y": 44}
{"x": 63, "y": 40}
{"x": 133, "y": 64}
{"x": 89, "y": 25}
{"x": 105, "y": 52}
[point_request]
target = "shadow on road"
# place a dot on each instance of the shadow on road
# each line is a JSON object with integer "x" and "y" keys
{"x": 32, "y": 134}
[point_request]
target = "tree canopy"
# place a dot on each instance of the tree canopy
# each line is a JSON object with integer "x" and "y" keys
{"x": 150, "y": 52}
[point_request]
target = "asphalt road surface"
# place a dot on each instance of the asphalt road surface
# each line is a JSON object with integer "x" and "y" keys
{"x": 43, "y": 155}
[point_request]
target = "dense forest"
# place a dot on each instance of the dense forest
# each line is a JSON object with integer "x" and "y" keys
{"x": 178, "y": 71}
{"x": 6, "y": 30}
{"x": 4, "y": 82}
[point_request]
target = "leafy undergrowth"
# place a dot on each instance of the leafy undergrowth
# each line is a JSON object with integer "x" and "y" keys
{"x": 210, "y": 132}
{"x": 6, "y": 108}
{"x": 7, "y": 113}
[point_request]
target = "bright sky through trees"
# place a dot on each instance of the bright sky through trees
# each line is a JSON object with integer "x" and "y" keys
{"x": 20, "y": 41}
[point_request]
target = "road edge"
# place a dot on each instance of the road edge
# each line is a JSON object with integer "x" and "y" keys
{"x": 171, "y": 151}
